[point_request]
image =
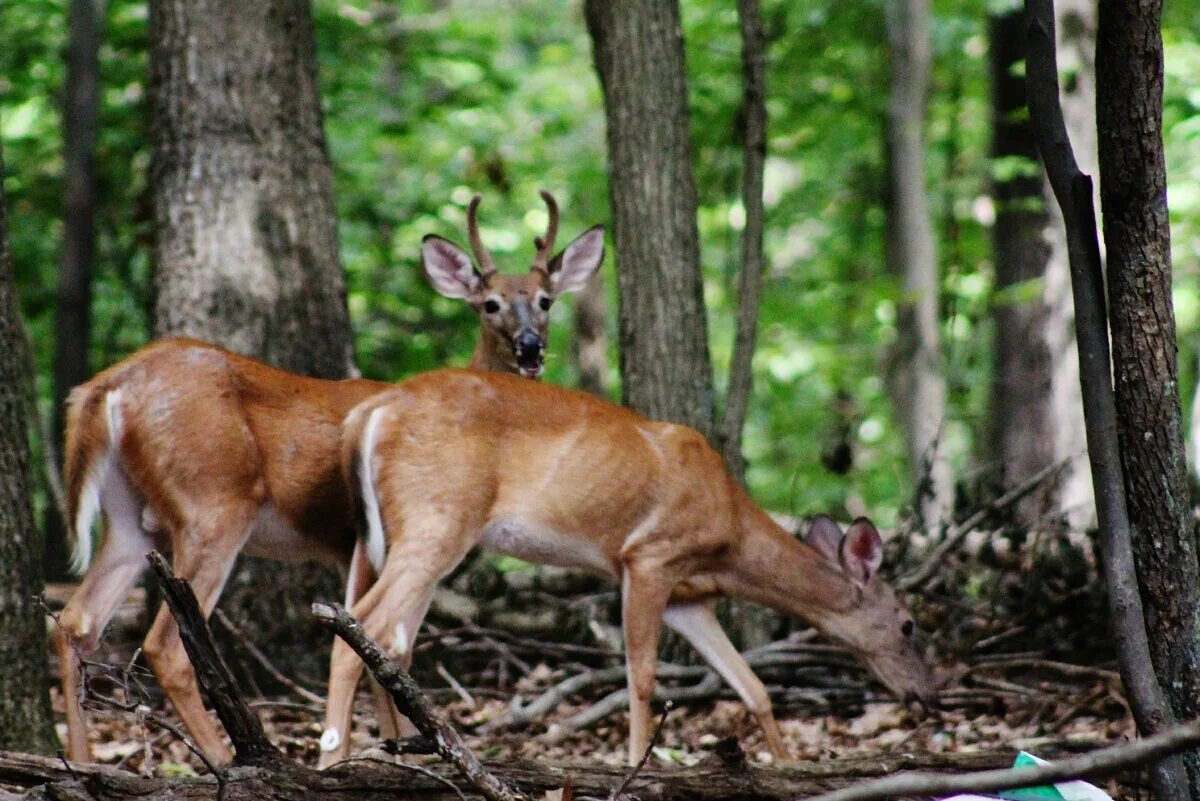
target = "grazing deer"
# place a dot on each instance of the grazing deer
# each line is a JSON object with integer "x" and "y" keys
{"x": 452, "y": 459}
{"x": 188, "y": 448}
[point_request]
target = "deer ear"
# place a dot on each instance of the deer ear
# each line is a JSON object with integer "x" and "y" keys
{"x": 861, "y": 552}
{"x": 571, "y": 269}
{"x": 448, "y": 268}
{"x": 825, "y": 535}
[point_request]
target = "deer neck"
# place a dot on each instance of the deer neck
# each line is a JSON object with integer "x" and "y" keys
{"x": 775, "y": 569}
{"x": 487, "y": 354}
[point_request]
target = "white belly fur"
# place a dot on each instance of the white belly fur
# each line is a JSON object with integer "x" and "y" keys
{"x": 539, "y": 544}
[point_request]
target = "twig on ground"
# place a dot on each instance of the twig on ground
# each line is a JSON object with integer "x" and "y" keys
{"x": 404, "y": 691}
{"x": 956, "y": 533}
{"x": 1063, "y": 668}
{"x": 1104, "y": 762}
{"x": 619, "y": 699}
{"x": 460, "y": 690}
{"x": 263, "y": 662}
{"x": 629, "y": 777}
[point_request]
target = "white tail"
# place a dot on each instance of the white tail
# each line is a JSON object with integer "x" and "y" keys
{"x": 555, "y": 476}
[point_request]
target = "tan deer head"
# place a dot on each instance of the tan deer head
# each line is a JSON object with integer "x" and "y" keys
{"x": 514, "y": 310}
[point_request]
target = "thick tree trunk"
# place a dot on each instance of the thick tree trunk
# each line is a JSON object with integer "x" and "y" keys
{"x": 1129, "y": 73}
{"x": 665, "y": 367}
{"x": 25, "y": 720}
{"x": 72, "y": 326}
{"x": 246, "y": 254}
{"x": 1036, "y": 417}
{"x": 917, "y": 385}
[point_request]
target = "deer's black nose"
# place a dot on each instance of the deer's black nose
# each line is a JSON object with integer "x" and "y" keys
{"x": 527, "y": 344}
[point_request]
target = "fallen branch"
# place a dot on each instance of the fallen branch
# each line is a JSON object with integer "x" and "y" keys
{"x": 1104, "y": 762}
{"x": 250, "y": 743}
{"x": 263, "y": 662}
{"x": 413, "y": 705}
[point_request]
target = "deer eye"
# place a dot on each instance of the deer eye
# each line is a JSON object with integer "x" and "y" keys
{"x": 906, "y": 628}
{"x": 544, "y": 302}
{"x": 491, "y": 306}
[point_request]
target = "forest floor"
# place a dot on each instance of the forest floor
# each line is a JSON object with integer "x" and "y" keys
{"x": 1006, "y": 702}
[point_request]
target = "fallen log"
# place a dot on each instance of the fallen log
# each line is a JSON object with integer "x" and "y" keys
{"x": 39, "y": 778}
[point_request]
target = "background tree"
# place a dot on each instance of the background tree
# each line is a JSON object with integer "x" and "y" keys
{"x": 918, "y": 385}
{"x": 665, "y": 368}
{"x": 1149, "y": 415}
{"x": 25, "y": 720}
{"x": 80, "y": 119}
{"x": 246, "y": 247}
{"x": 1034, "y": 418}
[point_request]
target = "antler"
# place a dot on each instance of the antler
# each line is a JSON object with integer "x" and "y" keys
{"x": 486, "y": 266}
{"x": 545, "y": 244}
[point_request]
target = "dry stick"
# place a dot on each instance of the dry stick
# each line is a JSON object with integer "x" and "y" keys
{"x": 250, "y": 743}
{"x": 629, "y": 777}
{"x": 958, "y": 532}
{"x": 265, "y": 663}
{"x": 408, "y": 697}
{"x": 754, "y": 153}
{"x": 1073, "y": 191}
{"x": 1103, "y": 762}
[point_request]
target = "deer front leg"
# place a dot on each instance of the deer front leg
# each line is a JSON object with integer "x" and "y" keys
{"x": 644, "y": 597}
{"x": 391, "y": 613}
{"x": 698, "y": 624}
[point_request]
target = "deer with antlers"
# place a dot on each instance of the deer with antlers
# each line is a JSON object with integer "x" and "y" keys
{"x": 188, "y": 448}
{"x": 453, "y": 459}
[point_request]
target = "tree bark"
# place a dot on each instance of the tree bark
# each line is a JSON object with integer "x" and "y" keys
{"x": 246, "y": 251}
{"x": 917, "y": 384}
{"x": 754, "y": 156}
{"x": 1129, "y": 83}
{"x": 25, "y": 720}
{"x": 72, "y": 317}
{"x": 665, "y": 367}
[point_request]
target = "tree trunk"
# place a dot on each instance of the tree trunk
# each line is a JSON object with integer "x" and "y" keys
{"x": 754, "y": 156}
{"x": 665, "y": 367}
{"x": 72, "y": 326}
{"x": 1035, "y": 401}
{"x": 1076, "y": 46}
{"x": 589, "y": 345}
{"x": 1129, "y": 83}
{"x": 917, "y": 385}
{"x": 25, "y": 720}
{"x": 246, "y": 254}
{"x": 1020, "y": 430}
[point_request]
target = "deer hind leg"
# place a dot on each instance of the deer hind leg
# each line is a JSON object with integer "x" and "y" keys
{"x": 204, "y": 556}
{"x": 361, "y": 576}
{"x": 117, "y": 567}
{"x": 391, "y": 613}
{"x": 699, "y": 626}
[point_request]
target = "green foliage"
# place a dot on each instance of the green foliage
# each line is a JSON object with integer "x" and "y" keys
{"x": 427, "y": 102}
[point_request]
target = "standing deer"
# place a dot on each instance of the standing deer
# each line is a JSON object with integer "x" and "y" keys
{"x": 188, "y": 448}
{"x": 452, "y": 459}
